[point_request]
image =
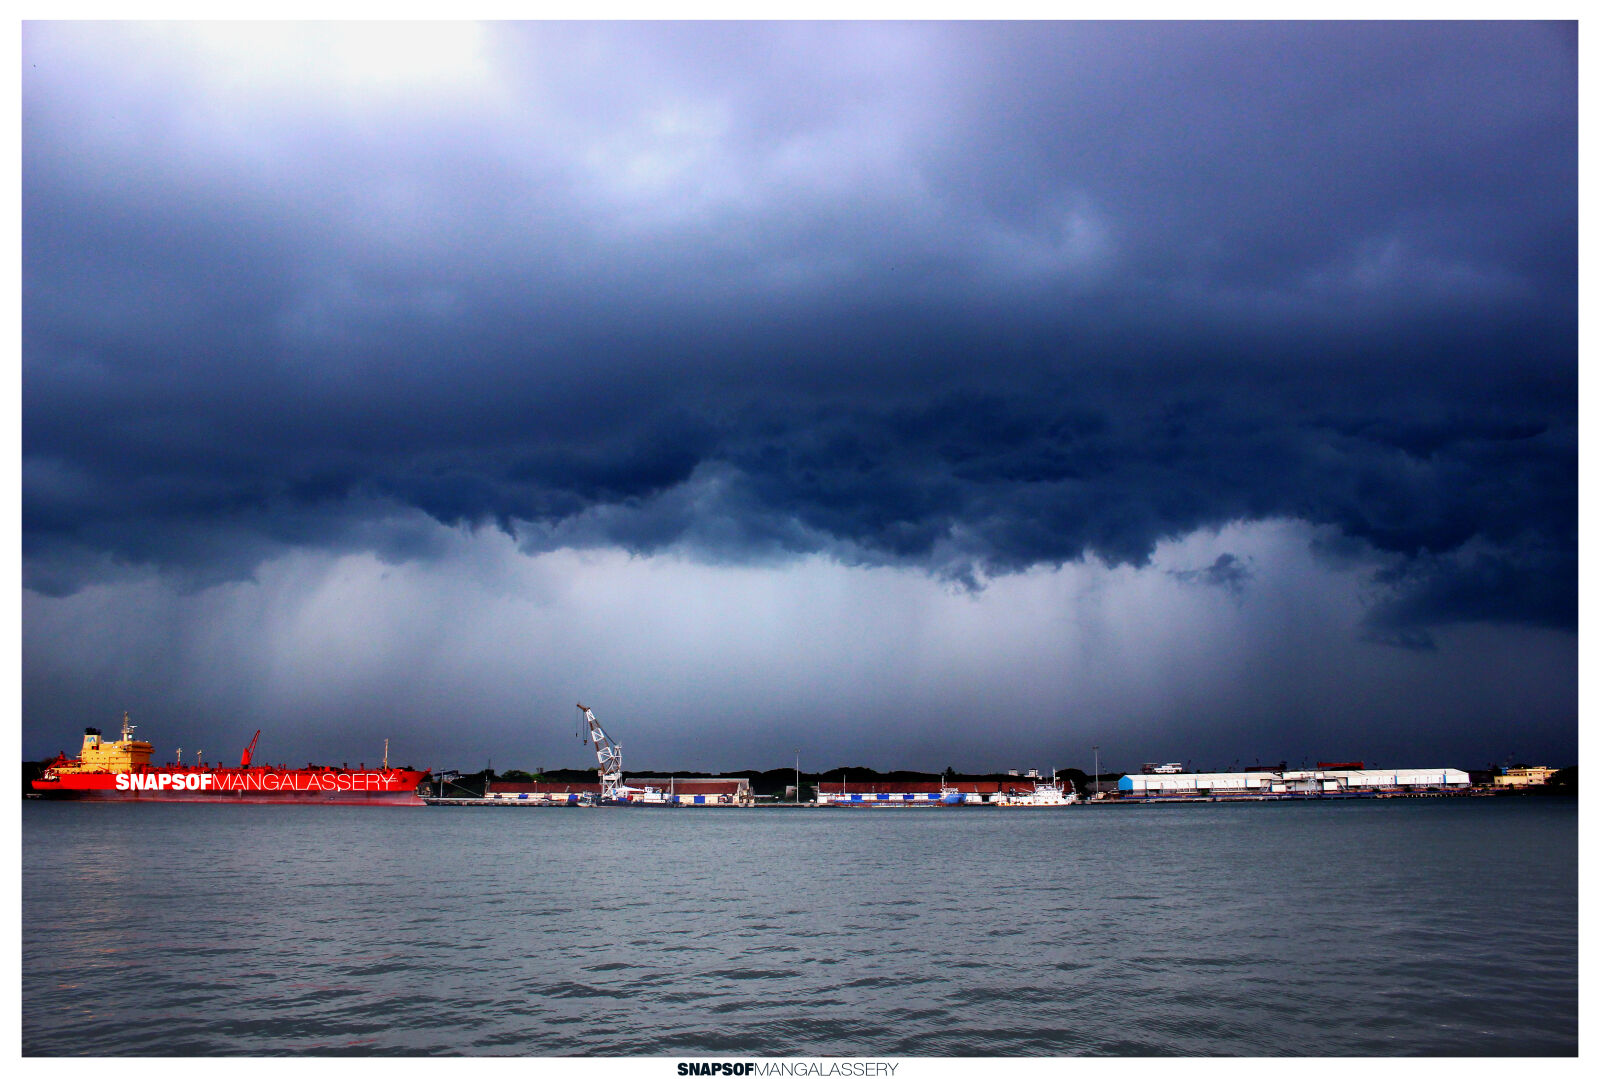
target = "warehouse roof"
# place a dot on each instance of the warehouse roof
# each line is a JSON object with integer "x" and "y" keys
{"x": 497, "y": 787}
{"x": 1366, "y": 776}
{"x": 730, "y": 785}
{"x": 965, "y": 786}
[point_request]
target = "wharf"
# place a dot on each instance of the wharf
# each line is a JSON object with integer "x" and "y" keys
{"x": 514, "y": 803}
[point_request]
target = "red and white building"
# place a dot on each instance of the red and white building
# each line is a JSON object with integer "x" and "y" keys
{"x": 924, "y": 792}
{"x": 665, "y": 789}
{"x": 646, "y": 791}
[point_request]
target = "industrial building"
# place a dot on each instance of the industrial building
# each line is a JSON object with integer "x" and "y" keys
{"x": 718, "y": 791}
{"x": 832, "y": 793}
{"x": 1305, "y": 783}
{"x": 650, "y": 791}
{"x": 924, "y": 792}
{"x": 542, "y": 793}
{"x": 1525, "y": 776}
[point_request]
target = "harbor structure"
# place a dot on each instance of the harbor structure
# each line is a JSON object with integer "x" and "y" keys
{"x": 541, "y": 793}
{"x": 648, "y": 791}
{"x": 612, "y": 790}
{"x": 732, "y": 790}
{"x": 1008, "y": 791}
{"x": 1301, "y": 783}
{"x": 1524, "y": 776}
{"x": 608, "y": 753}
{"x": 928, "y": 792}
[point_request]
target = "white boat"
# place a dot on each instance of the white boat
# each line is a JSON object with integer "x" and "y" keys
{"x": 1044, "y": 794}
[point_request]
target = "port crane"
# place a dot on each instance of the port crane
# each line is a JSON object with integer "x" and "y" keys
{"x": 607, "y": 753}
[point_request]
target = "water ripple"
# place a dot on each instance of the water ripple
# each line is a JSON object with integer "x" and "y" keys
{"x": 1338, "y": 929}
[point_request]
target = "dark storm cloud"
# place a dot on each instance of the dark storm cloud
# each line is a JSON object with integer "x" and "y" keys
{"x": 966, "y": 297}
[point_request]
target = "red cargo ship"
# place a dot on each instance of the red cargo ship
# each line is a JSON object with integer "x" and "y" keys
{"x": 121, "y": 771}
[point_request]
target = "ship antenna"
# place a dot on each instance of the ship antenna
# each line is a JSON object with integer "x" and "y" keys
{"x": 127, "y": 728}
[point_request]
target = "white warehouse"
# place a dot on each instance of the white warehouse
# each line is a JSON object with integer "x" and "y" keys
{"x": 1312, "y": 783}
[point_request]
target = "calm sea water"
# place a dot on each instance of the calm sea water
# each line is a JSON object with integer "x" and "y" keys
{"x": 1411, "y": 927}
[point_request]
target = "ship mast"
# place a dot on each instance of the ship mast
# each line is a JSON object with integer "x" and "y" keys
{"x": 127, "y": 728}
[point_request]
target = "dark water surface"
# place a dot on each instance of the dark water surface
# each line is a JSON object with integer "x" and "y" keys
{"x": 1407, "y": 927}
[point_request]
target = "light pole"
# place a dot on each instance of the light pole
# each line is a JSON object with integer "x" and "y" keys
{"x": 1097, "y": 772}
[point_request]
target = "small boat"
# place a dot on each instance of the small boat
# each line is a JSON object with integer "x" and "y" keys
{"x": 1055, "y": 792}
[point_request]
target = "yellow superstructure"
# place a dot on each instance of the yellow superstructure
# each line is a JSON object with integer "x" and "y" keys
{"x": 1525, "y": 777}
{"x": 123, "y": 755}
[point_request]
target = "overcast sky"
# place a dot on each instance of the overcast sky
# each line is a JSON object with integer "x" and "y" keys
{"x": 906, "y": 395}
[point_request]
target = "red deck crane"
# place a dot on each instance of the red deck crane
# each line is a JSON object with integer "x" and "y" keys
{"x": 249, "y": 751}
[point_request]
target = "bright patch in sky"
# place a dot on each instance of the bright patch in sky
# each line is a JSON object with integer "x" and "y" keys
{"x": 366, "y": 56}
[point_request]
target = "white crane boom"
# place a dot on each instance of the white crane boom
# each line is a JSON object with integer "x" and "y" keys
{"x": 608, "y": 754}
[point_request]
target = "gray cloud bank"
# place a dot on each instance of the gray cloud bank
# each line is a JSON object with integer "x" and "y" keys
{"x": 969, "y": 298}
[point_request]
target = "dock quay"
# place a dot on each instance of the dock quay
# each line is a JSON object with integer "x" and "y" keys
{"x": 508, "y": 803}
{"x": 1189, "y": 799}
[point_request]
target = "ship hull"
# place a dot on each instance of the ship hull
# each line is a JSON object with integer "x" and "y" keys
{"x": 237, "y": 786}
{"x": 369, "y": 798}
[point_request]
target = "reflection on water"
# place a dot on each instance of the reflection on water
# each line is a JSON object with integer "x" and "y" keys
{"x": 1336, "y": 928}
